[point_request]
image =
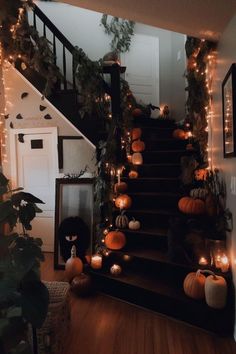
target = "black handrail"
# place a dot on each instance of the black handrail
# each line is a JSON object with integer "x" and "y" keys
{"x": 66, "y": 44}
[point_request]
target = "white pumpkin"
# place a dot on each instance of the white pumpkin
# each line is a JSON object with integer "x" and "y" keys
{"x": 134, "y": 224}
{"x": 137, "y": 158}
{"x": 215, "y": 290}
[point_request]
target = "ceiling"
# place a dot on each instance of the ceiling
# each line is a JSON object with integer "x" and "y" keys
{"x": 198, "y": 18}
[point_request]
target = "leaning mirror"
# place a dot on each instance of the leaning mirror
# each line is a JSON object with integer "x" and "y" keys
{"x": 73, "y": 218}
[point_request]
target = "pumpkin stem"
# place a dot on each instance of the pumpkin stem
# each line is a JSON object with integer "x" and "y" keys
{"x": 207, "y": 271}
{"x": 73, "y": 251}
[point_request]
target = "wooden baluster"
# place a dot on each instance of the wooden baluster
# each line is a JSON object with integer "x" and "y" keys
{"x": 64, "y": 67}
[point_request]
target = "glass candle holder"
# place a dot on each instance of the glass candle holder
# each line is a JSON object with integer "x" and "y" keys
{"x": 96, "y": 261}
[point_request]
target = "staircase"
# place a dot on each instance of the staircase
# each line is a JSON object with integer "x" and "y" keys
{"x": 149, "y": 279}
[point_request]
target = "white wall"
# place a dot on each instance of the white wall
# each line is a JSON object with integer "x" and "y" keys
{"x": 226, "y": 56}
{"x": 15, "y": 85}
{"x": 82, "y": 28}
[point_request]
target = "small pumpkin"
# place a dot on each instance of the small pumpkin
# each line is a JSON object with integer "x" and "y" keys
{"x": 115, "y": 269}
{"x": 134, "y": 224}
{"x": 115, "y": 240}
{"x": 133, "y": 174}
{"x": 199, "y": 193}
{"x": 136, "y": 133}
{"x": 137, "y": 112}
{"x": 200, "y": 174}
{"x": 123, "y": 201}
{"x": 81, "y": 285}
{"x": 138, "y": 146}
{"x": 189, "y": 205}
{"x": 179, "y": 134}
{"x": 137, "y": 158}
{"x": 215, "y": 290}
{"x": 194, "y": 284}
{"x": 120, "y": 187}
{"x": 74, "y": 265}
{"x": 122, "y": 221}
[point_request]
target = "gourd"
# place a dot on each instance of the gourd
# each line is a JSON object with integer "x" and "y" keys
{"x": 179, "y": 134}
{"x": 137, "y": 158}
{"x": 215, "y": 290}
{"x": 120, "y": 187}
{"x": 194, "y": 284}
{"x": 133, "y": 174}
{"x": 115, "y": 240}
{"x": 199, "y": 193}
{"x": 189, "y": 205}
{"x": 138, "y": 146}
{"x": 136, "y": 133}
{"x": 81, "y": 285}
{"x": 137, "y": 112}
{"x": 134, "y": 224}
{"x": 74, "y": 265}
{"x": 123, "y": 201}
{"x": 122, "y": 221}
{"x": 115, "y": 269}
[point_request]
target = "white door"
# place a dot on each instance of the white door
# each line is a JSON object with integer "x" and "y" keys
{"x": 142, "y": 69}
{"x": 36, "y": 170}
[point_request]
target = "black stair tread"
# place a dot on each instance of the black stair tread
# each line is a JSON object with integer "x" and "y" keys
{"x": 154, "y": 194}
{"x": 150, "y": 254}
{"x": 146, "y": 231}
{"x": 164, "y": 164}
{"x": 150, "y": 179}
{"x": 170, "y": 151}
{"x": 154, "y": 211}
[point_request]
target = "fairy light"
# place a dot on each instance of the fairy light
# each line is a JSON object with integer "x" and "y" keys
{"x": 3, "y": 111}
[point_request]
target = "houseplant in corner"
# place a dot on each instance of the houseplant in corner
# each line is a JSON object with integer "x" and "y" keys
{"x": 23, "y": 297}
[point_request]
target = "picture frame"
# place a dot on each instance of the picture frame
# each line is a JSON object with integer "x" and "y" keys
{"x": 74, "y": 198}
{"x": 229, "y": 112}
{"x": 74, "y": 147}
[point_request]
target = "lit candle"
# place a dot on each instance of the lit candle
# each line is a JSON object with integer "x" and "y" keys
{"x": 118, "y": 174}
{"x": 203, "y": 261}
{"x": 224, "y": 264}
{"x": 96, "y": 261}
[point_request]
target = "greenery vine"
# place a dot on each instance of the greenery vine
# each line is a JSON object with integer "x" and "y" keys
{"x": 121, "y": 30}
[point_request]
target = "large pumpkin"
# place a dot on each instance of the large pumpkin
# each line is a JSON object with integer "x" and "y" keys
{"x": 74, "y": 265}
{"x": 189, "y": 205}
{"x": 123, "y": 201}
{"x": 137, "y": 158}
{"x": 138, "y": 146}
{"x": 179, "y": 134}
{"x": 120, "y": 187}
{"x": 115, "y": 240}
{"x": 194, "y": 284}
{"x": 136, "y": 133}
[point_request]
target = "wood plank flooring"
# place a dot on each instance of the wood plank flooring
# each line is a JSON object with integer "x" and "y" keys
{"x": 103, "y": 325}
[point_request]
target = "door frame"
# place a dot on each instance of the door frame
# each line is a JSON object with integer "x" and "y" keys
{"x": 13, "y": 149}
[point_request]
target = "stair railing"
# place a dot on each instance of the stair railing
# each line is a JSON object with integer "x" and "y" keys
{"x": 58, "y": 39}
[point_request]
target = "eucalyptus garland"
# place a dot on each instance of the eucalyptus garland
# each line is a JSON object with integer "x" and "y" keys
{"x": 121, "y": 30}
{"x": 197, "y": 52}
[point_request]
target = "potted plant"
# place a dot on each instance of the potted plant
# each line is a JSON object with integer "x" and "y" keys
{"x": 23, "y": 297}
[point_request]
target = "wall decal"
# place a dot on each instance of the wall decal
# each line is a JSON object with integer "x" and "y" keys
{"x": 11, "y": 125}
{"x": 47, "y": 116}
{"x": 21, "y": 138}
{"x": 42, "y": 108}
{"x": 19, "y": 116}
{"x": 23, "y": 95}
{"x": 6, "y": 116}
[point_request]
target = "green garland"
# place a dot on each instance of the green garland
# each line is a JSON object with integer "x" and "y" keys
{"x": 197, "y": 52}
{"x": 122, "y": 31}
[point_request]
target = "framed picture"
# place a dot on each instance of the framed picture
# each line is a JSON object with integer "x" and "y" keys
{"x": 68, "y": 148}
{"x": 74, "y": 211}
{"x": 229, "y": 112}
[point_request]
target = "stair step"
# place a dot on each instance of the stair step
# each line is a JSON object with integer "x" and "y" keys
{"x": 159, "y": 170}
{"x": 156, "y": 133}
{"x": 154, "y": 200}
{"x": 172, "y": 156}
{"x": 144, "y": 121}
{"x": 152, "y": 184}
{"x": 160, "y": 293}
{"x": 155, "y": 239}
{"x": 165, "y": 144}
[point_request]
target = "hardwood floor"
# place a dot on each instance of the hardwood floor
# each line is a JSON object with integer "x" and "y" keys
{"x": 103, "y": 325}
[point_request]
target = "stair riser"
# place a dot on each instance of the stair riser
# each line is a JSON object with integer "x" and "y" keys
{"x": 154, "y": 202}
{"x": 158, "y": 171}
{"x": 155, "y": 134}
{"x": 149, "y": 220}
{"x": 157, "y": 123}
{"x": 136, "y": 241}
{"x": 162, "y": 157}
{"x": 165, "y": 145}
{"x": 152, "y": 185}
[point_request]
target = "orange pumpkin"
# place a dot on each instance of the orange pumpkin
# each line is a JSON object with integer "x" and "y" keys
{"x": 123, "y": 201}
{"x": 133, "y": 174}
{"x": 194, "y": 284}
{"x": 190, "y": 205}
{"x": 115, "y": 240}
{"x": 138, "y": 146}
{"x": 136, "y": 133}
{"x": 120, "y": 187}
{"x": 201, "y": 174}
{"x": 137, "y": 158}
{"x": 137, "y": 112}
{"x": 179, "y": 134}
{"x": 74, "y": 265}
